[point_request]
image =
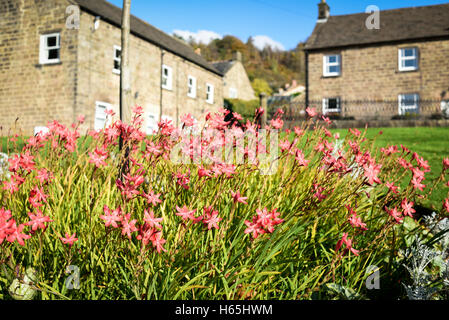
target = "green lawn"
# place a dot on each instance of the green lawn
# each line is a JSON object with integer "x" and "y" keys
{"x": 430, "y": 143}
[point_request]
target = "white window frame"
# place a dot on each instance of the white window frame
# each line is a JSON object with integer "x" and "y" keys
{"x": 402, "y": 58}
{"x": 233, "y": 93}
{"x": 327, "y": 65}
{"x": 44, "y": 49}
{"x": 326, "y": 109}
{"x": 100, "y": 122}
{"x": 152, "y": 126}
{"x": 403, "y": 109}
{"x": 169, "y": 77}
{"x": 210, "y": 93}
{"x": 114, "y": 70}
{"x": 191, "y": 87}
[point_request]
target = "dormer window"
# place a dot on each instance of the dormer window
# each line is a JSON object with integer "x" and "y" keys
{"x": 408, "y": 59}
{"x": 332, "y": 65}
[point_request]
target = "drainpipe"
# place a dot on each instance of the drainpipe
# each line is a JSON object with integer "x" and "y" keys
{"x": 307, "y": 78}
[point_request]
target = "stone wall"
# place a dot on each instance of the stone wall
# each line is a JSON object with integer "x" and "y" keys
{"x": 37, "y": 93}
{"x": 237, "y": 78}
{"x": 345, "y": 124}
{"x": 98, "y": 82}
{"x": 31, "y": 92}
{"x": 371, "y": 73}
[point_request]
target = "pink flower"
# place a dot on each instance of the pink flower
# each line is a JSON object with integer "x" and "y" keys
{"x": 397, "y": 215}
{"x": 128, "y": 227}
{"x": 319, "y": 192}
{"x": 408, "y": 208}
{"x": 348, "y": 242}
{"x": 298, "y": 131}
{"x": 253, "y": 229}
{"x": 158, "y": 242}
{"x": 185, "y": 213}
{"x": 277, "y": 123}
{"x": 446, "y": 163}
{"x": 371, "y": 172}
{"x": 98, "y": 157}
{"x": 355, "y": 132}
{"x": 311, "y": 112}
{"x": 188, "y": 120}
{"x": 38, "y": 220}
{"x": 111, "y": 218}
{"x": 152, "y": 198}
{"x": 392, "y": 187}
{"x": 446, "y": 205}
{"x": 237, "y": 197}
{"x": 15, "y": 234}
{"x": 69, "y": 239}
{"x": 81, "y": 119}
{"x": 151, "y": 220}
{"x": 356, "y": 222}
{"x": 212, "y": 221}
{"x": 138, "y": 110}
{"x": 44, "y": 176}
{"x": 110, "y": 112}
{"x": 417, "y": 184}
{"x": 302, "y": 162}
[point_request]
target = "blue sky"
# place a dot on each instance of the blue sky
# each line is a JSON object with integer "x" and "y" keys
{"x": 286, "y": 22}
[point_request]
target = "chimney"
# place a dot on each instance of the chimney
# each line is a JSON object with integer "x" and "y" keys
{"x": 237, "y": 56}
{"x": 323, "y": 11}
{"x": 198, "y": 51}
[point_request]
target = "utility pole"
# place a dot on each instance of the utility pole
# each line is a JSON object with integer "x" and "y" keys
{"x": 125, "y": 75}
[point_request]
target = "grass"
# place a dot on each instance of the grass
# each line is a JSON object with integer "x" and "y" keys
{"x": 430, "y": 143}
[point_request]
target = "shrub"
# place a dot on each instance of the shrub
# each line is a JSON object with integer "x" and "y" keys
{"x": 137, "y": 223}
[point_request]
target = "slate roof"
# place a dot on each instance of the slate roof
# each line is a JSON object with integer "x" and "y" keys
{"x": 406, "y": 24}
{"x": 223, "y": 66}
{"x": 112, "y": 14}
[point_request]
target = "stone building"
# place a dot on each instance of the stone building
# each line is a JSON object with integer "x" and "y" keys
{"x": 236, "y": 84}
{"x": 61, "y": 58}
{"x": 379, "y": 64}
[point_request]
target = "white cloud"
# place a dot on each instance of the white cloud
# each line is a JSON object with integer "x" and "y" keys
{"x": 202, "y": 36}
{"x": 260, "y": 42}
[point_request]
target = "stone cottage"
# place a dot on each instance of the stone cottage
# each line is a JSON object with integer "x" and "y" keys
{"x": 236, "y": 84}
{"x": 379, "y": 64}
{"x": 61, "y": 58}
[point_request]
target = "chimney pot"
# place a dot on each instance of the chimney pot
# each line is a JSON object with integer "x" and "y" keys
{"x": 323, "y": 11}
{"x": 237, "y": 56}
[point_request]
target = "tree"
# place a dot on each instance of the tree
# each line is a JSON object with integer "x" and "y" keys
{"x": 260, "y": 85}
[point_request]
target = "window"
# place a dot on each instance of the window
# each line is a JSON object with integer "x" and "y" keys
{"x": 408, "y": 103}
{"x": 152, "y": 126}
{"x": 445, "y": 108}
{"x": 167, "y": 77}
{"x": 233, "y": 93}
{"x": 331, "y": 105}
{"x": 50, "y": 47}
{"x": 117, "y": 59}
{"x": 331, "y": 65}
{"x": 100, "y": 115}
{"x": 408, "y": 59}
{"x": 209, "y": 93}
{"x": 191, "y": 87}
